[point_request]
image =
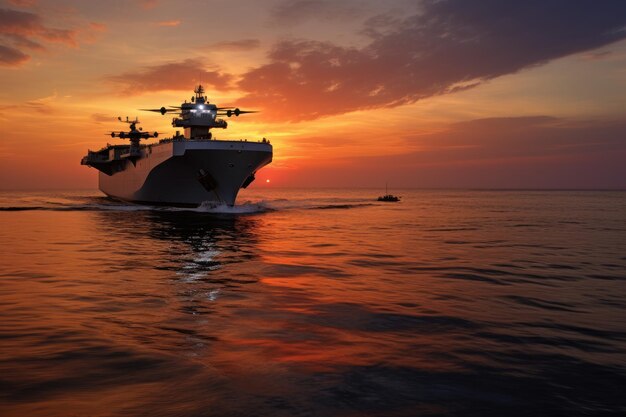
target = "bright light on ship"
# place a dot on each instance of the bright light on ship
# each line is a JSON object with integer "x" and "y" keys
{"x": 201, "y": 107}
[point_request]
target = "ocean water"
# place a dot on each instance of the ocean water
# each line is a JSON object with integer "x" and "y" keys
{"x": 314, "y": 303}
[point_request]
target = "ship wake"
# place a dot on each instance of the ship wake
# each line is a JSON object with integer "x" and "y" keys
{"x": 207, "y": 207}
{"x": 222, "y": 208}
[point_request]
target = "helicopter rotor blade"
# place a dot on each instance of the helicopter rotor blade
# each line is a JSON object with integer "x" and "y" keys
{"x": 162, "y": 110}
{"x": 237, "y": 112}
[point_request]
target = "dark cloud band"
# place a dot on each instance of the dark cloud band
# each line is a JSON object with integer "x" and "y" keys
{"x": 11, "y": 57}
{"x": 450, "y": 45}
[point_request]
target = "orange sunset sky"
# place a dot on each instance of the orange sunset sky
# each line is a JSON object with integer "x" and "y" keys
{"x": 452, "y": 93}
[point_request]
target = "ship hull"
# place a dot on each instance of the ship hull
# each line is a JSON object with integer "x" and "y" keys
{"x": 187, "y": 172}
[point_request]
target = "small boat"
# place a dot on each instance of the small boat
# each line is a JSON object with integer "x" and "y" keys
{"x": 388, "y": 197}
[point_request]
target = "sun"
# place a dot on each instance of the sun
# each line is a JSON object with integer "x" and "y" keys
{"x": 267, "y": 181}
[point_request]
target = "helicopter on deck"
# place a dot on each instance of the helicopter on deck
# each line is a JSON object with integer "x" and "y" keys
{"x": 200, "y": 116}
{"x": 135, "y": 135}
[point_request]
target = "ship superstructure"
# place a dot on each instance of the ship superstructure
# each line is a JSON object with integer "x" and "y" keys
{"x": 184, "y": 170}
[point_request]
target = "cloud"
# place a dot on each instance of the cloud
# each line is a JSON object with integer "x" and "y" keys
{"x": 21, "y": 42}
{"x": 450, "y": 45}
{"x": 597, "y": 55}
{"x": 10, "y": 57}
{"x": 44, "y": 105}
{"x": 292, "y": 12}
{"x": 92, "y": 32}
{"x": 530, "y": 152}
{"x": 100, "y": 118}
{"x": 238, "y": 45}
{"x": 25, "y": 25}
{"x": 98, "y": 27}
{"x": 23, "y": 3}
{"x": 170, "y": 76}
{"x": 20, "y": 29}
{"x": 522, "y": 137}
{"x": 148, "y": 4}
{"x": 169, "y": 23}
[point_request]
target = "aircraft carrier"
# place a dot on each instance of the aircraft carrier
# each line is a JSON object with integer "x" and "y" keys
{"x": 184, "y": 170}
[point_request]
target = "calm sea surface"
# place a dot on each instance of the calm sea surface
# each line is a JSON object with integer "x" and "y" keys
{"x": 314, "y": 303}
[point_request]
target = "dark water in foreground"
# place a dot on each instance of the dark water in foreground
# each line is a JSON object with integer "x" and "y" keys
{"x": 319, "y": 303}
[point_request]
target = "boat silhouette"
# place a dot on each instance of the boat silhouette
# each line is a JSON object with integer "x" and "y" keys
{"x": 388, "y": 197}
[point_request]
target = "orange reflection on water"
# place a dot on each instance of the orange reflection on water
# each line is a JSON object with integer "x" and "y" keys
{"x": 178, "y": 312}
